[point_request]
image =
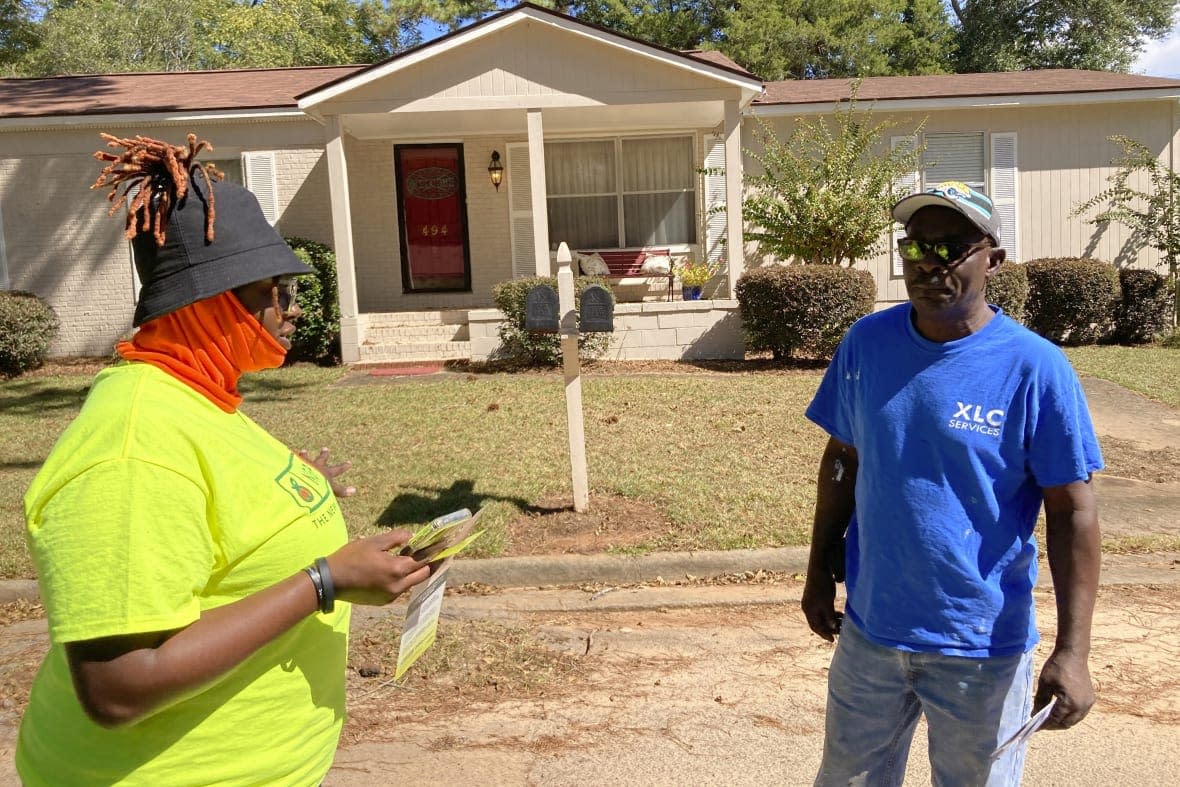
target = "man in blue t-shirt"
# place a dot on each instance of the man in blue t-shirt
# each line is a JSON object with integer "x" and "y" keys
{"x": 949, "y": 425}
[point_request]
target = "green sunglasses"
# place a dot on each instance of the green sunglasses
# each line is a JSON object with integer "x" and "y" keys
{"x": 912, "y": 250}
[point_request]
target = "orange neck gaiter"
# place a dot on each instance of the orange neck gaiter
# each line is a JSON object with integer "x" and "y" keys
{"x": 207, "y": 345}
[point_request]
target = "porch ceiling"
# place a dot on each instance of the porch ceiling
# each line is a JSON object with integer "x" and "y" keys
{"x": 559, "y": 121}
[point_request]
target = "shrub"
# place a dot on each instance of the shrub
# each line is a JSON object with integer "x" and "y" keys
{"x": 1172, "y": 340}
{"x": 27, "y": 327}
{"x": 1071, "y": 300}
{"x": 802, "y": 308}
{"x": 542, "y": 349}
{"x": 1144, "y": 311}
{"x": 317, "y": 331}
{"x": 1008, "y": 289}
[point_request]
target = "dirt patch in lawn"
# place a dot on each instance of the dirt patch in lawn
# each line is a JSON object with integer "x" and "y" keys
{"x": 613, "y": 524}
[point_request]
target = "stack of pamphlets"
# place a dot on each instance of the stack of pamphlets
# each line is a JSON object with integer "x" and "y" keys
{"x": 443, "y": 537}
{"x": 436, "y": 543}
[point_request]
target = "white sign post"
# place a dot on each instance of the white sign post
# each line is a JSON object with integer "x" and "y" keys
{"x": 573, "y": 378}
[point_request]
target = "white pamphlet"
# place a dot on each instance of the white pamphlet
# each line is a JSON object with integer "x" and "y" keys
{"x": 1025, "y": 732}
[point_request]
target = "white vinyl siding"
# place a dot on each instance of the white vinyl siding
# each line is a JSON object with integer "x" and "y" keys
{"x": 520, "y": 210}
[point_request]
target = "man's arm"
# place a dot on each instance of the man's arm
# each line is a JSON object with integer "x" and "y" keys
{"x": 1074, "y": 546}
{"x": 834, "y": 501}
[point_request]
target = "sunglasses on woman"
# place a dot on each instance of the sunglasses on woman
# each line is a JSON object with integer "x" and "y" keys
{"x": 912, "y": 250}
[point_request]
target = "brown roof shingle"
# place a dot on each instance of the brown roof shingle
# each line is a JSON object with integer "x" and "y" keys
{"x": 1059, "y": 80}
{"x": 276, "y": 88}
{"x": 180, "y": 91}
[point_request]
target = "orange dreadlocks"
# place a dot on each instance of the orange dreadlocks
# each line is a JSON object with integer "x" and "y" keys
{"x": 161, "y": 173}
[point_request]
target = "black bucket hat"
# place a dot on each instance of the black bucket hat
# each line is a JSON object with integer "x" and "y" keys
{"x": 187, "y": 268}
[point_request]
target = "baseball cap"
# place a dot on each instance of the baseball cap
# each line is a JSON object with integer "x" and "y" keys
{"x": 958, "y": 196}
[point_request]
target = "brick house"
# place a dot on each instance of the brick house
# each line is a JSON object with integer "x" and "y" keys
{"x": 603, "y": 140}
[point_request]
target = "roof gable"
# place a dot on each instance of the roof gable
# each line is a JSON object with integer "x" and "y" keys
{"x": 529, "y": 50}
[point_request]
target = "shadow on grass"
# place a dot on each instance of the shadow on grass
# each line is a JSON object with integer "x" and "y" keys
{"x": 24, "y": 464}
{"x": 23, "y": 398}
{"x": 272, "y": 388}
{"x": 430, "y": 502}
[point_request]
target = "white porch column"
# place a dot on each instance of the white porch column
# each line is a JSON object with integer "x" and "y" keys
{"x": 735, "y": 242}
{"x": 350, "y": 338}
{"x": 537, "y": 183}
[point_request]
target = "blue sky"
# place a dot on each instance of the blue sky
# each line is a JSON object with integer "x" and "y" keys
{"x": 1161, "y": 58}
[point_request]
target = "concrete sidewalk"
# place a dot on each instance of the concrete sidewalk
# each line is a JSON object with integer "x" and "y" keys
{"x": 678, "y": 567}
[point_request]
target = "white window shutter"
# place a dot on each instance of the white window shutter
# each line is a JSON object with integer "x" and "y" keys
{"x": 260, "y": 179}
{"x": 520, "y": 210}
{"x": 4, "y": 280}
{"x": 716, "y": 222}
{"x": 906, "y": 184}
{"x": 1004, "y": 190}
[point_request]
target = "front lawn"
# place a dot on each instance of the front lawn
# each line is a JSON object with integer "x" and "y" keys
{"x": 728, "y": 458}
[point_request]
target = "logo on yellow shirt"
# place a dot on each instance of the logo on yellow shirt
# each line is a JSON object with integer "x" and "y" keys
{"x": 306, "y": 486}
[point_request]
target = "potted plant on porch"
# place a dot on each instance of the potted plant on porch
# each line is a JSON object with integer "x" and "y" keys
{"x": 693, "y": 276}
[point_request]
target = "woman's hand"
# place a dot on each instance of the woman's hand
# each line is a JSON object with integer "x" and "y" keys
{"x": 365, "y": 571}
{"x": 329, "y": 471}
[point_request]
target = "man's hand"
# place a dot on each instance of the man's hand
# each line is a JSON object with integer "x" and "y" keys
{"x": 834, "y": 503}
{"x": 819, "y": 604}
{"x": 329, "y": 471}
{"x": 1067, "y": 677}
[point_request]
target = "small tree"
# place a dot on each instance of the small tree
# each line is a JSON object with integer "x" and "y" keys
{"x": 1152, "y": 215}
{"x": 824, "y": 193}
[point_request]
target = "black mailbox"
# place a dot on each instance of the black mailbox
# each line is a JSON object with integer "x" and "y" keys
{"x": 540, "y": 310}
{"x": 597, "y": 312}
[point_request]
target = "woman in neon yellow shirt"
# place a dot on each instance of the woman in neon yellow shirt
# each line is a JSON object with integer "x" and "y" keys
{"x": 196, "y": 574}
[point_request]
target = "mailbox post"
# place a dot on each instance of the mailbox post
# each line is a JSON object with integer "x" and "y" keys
{"x": 546, "y": 311}
{"x": 572, "y": 366}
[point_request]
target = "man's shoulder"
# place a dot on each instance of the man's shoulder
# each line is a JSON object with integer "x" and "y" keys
{"x": 891, "y": 318}
{"x": 1026, "y": 343}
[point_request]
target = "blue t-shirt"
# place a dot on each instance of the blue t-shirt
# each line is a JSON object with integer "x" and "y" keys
{"x": 954, "y": 443}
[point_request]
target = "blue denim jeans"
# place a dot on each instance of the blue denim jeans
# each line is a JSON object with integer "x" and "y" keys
{"x": 876, "y": 693}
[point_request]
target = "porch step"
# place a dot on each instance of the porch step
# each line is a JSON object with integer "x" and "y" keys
{"x": 438, "y": 317}
{"x": 440, "y": 335}
{"x": 414, "y": 351}
{"x": 385, "y": 333}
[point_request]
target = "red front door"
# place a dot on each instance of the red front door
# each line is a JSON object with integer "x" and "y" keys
{"x": 432, "y": 207}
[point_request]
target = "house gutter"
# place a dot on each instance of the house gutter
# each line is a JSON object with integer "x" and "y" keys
{"x": 57, "y": 122}
{"x": 968, "y": 102}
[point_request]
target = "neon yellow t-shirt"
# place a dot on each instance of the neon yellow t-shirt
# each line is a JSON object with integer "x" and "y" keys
{"x": 153, "y": 506}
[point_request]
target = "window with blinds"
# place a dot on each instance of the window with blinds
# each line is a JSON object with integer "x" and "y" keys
{"x": 955, "y": 157}
{"x": 621, "y": 192}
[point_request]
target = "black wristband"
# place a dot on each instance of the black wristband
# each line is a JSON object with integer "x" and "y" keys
{"x": 328, "y": 601}
{"x": 313, "y": 571}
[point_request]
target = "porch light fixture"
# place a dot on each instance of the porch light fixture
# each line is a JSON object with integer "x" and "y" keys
{"x": 496, "y": 170}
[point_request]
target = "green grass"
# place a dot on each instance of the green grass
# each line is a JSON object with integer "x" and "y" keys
{"x": 730, "y": 459}
{"x": 1151, "y": 371}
